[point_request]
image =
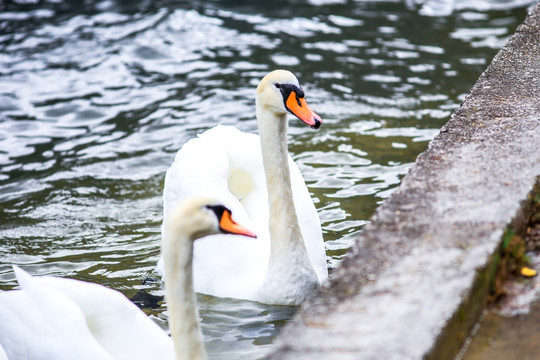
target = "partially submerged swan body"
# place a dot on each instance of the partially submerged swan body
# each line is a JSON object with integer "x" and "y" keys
{"x": 257, "y": 179}
{"x": 57, "y": 318}
{"x": 64, "y": 319}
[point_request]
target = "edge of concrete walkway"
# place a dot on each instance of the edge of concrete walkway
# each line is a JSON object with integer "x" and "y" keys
{"x": 415, "y": 281}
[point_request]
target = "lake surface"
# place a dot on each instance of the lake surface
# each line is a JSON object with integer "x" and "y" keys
{"x": 97, "y": 97}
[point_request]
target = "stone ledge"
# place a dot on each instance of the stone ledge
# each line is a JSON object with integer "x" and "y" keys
{"x": 415, "y": 281}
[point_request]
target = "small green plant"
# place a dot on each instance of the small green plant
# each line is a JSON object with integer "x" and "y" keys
{"x": 512, "y": 259}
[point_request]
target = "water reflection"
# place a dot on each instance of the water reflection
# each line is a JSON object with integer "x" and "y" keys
{"x": 96, "y": 98}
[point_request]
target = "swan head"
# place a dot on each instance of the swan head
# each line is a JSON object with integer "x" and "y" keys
{"x": 280, "y": 92}
{"x": 199, "y": 217}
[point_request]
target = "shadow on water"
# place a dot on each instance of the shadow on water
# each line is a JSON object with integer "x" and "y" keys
{"x": 97, "y": 96}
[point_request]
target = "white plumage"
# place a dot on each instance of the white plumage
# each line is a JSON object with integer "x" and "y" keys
{"x": 56, "y": 318}
{"x": 229, "y": 165}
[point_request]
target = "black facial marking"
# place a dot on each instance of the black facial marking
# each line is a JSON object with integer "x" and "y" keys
{"x": 218, "y": 210}
{"x": 286, "y": 90}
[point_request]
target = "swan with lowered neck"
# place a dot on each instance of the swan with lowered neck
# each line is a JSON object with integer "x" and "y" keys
{"x": 256, "y": 177}
{"x": 61, "y": 319}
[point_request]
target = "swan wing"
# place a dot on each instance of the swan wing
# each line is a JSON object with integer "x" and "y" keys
{"x": 206, "y": 166}
{"x": 114, "y": 322}
{"x": 41, "y": 324}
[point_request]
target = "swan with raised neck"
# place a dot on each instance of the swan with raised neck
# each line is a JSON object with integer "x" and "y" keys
{"x": 256, "y": 178}
{"x": 290, "y": 276}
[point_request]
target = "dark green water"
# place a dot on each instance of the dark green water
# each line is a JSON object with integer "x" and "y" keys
{"x": 96, "y": 98}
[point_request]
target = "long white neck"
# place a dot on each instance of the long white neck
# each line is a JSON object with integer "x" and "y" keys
{"x": 181, "y": 302}
{"x": 283, "y": 218}
{"x": 289, "y": 263}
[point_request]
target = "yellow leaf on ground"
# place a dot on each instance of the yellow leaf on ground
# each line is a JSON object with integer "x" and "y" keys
{"x": 528, "y": 272}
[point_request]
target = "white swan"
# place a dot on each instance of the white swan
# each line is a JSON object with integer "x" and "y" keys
{"x": 256, "y": 177}
{"x": 56, "y": 318}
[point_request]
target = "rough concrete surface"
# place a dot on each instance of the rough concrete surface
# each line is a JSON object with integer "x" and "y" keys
{"x": 414, "y": 283}
{"x": 517, "y": 337}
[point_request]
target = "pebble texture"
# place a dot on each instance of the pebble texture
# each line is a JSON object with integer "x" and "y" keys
{"x": 414, "y": 283}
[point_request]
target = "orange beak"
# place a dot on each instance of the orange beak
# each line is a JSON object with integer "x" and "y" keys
{"x": 299, "y": 108}
{"x": 229, "y": 226}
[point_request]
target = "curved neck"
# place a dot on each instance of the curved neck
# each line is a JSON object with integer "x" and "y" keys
{"x": 283, "y": 223}
{"x": 181, "y": 302}
{"x": 290, "y": 276}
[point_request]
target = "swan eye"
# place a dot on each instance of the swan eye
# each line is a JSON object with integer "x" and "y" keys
{"x": 278, "y": 86}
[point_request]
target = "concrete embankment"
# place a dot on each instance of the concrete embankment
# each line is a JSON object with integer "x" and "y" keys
{"x": 415, "y": 282}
